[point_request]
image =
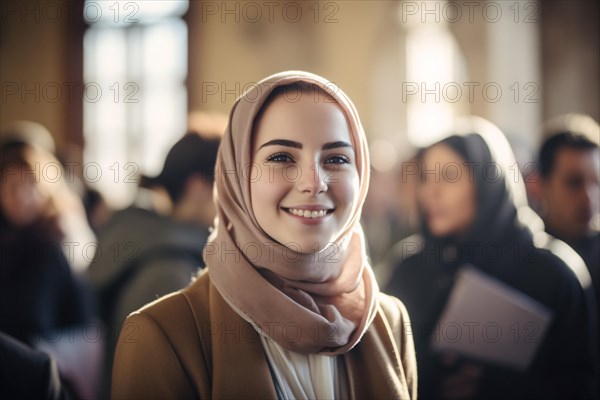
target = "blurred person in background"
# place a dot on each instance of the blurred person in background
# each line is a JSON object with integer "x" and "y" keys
{"x": 78, "y": 236}
{"x": 569, "y": 165}
{"x": 28, "y": 132}
{"x": 152, "y": 248}
{"x": 405, "y": 211}
{"x": 42, "y": 302}
{"x": 380, "y": 223}
{"x": 461, "y": 216}
{"x": 97, "y": 210}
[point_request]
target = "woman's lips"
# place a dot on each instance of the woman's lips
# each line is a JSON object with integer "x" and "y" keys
{"x": 309, "y": 215}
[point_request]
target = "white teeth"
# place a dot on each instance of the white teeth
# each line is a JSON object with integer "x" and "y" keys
{"x": 307, "y": 213}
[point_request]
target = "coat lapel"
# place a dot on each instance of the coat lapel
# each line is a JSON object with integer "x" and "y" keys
{"x": 374, "y": 368}
{"x": 239, "y": 363}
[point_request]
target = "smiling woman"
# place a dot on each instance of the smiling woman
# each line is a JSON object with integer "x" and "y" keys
{"x": 312, "y": 184}
{"x": 302, "y": 317}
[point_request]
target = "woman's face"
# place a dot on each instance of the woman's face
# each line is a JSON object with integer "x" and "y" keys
{"x": 446, "y": 192}
{"x": 20, "y": 198}
{"x": 304, "y": 181}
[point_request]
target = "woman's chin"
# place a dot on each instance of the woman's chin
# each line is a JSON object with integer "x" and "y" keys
{"x": 308, "y": 247}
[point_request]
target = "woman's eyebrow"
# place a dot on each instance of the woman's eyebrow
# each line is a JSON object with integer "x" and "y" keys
{"x": 298, "y": 145}
{"x": 282, "y": 142}
{"x": 335, "y": 145}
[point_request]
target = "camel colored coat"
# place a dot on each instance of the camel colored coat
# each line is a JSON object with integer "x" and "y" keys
{"x": 192, "y": 345}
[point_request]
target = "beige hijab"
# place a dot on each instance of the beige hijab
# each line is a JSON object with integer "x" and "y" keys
{"x": 308, "y": 303}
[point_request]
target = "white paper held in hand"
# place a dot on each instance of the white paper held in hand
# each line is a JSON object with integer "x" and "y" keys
{"x": 486, "y": 319}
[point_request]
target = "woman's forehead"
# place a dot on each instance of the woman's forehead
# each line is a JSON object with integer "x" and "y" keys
{"x": 304, "y": 119}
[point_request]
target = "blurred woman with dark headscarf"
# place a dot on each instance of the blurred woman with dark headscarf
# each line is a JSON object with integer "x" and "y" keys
{"x": 471, "y": 199}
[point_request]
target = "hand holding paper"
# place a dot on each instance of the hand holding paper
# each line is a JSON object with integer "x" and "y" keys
{"x": 488, "y": 320}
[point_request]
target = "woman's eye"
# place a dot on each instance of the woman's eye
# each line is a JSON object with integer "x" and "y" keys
{"x": 280, "y": 157}
{"x": 337, "y": 160}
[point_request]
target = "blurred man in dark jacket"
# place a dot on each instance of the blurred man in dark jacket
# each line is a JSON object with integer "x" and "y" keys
{"x": 569, "y": 164}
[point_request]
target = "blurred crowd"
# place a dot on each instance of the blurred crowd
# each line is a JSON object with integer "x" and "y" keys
{"x": 463, "y": 201}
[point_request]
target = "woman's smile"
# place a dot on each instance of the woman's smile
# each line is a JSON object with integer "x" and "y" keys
{"x": 309, "y": 214}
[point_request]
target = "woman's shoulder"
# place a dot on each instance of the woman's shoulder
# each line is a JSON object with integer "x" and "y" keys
{"x": 406, "y": 251}
{"x": 403, "y": 258}
{"x": 161, "y": 352}
{"x": 180, "y": 302}
{"x": 565, "y": 262}
{"x": 553, "y": 262}
{"x": 168, "y": 330}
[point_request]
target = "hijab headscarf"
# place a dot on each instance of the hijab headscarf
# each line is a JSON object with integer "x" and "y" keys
{"x": 503, "y": 216}
{"x": 308, "y": 303}
{"x": 502, "y": 210}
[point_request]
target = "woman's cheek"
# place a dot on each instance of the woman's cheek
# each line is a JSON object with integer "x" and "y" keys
{"x": 268, "y": 186}
{"x": 350, "y": 186}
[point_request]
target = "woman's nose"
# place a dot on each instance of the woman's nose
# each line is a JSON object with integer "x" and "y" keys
{"x": 312, "y": 180}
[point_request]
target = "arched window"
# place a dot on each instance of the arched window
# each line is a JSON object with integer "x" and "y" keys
{"x": 434, "y": 84}
{"x": 418, "y": 81}
{"x": 431, "y": 75}
{"x": 135, "y": 98}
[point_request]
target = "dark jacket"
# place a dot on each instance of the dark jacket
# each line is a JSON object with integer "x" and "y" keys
{"x": 39, "y": 294}
{"x": 501, "y": 245}
{"x": 26, "y": 373}
{"x": 589, "y": 249}
{"x": 44, "y": 305}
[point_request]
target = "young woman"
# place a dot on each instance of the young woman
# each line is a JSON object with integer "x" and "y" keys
{"x": 288, "y": 306}
{"x": 474, "y": 212}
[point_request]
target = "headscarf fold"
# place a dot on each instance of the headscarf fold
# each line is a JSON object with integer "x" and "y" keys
{"x": 308, "y": 303}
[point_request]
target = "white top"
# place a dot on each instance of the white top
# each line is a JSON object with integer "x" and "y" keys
{"x": 305, "y": 376}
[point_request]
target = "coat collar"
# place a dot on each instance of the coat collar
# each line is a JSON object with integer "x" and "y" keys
{"x": 239, "y": 366}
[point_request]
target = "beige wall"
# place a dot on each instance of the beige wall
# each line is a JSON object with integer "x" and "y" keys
{"x": 225, "y": 52}
{"x": 361, "y": 50}
{"x": 570, "y": 57}
{"x": 34, "y": 56}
